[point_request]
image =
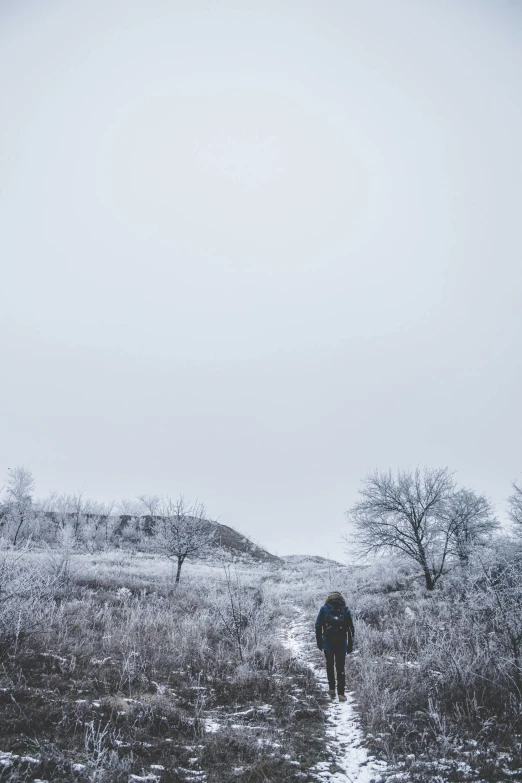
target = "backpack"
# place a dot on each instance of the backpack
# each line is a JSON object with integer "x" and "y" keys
{"x": 334, "y": 624}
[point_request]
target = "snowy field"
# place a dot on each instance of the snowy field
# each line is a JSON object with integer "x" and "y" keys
{"x": 110, "y": 672}
{"x": 126, "y": 677}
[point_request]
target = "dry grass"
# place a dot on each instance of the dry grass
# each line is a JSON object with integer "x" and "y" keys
{"x": 436, "y": 680}
{"x": 106, "y": 671}
{"x": 109, "y": 671}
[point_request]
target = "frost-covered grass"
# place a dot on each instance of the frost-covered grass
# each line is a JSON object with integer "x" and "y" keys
{"x": 435, "y": 675}
{"x": 111, "y": 673}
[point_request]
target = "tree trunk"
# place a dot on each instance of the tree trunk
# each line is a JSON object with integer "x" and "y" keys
{"x": 18, "y": 530}
{"x": 178, "y": 572}
{"x": 430, "y": 584}
{"x": 430, "y": 581}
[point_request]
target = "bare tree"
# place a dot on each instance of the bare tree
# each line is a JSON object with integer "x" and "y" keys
{"x": 19, "y": 492}
{"x": 470, "y": 520}
{"x": 422, "y": 515}
{"x": 60, "y": 510}
{"x": 181, "y": 531}
{"x": 75, "y": 517}
{"x": 152, "y": 505}
{"x": 130, "y": 507}
{"x": 406, "y": 514}
{"x": 79, "y": 507}
{"x": 515, "y": 507}
{"x": 232, "y": 615}
{"x": 95, "y": 531}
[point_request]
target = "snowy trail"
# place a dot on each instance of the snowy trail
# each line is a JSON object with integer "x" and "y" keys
{"x": 344, "y": 735}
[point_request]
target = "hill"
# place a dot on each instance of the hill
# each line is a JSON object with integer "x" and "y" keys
{"x": 295, "y": 560}
{"x": 241, "y": 547}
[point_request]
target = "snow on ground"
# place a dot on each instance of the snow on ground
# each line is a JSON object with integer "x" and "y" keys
{"x": 350, "y": 760}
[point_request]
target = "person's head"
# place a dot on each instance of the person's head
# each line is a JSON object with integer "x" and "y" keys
{"x": 335, "y": 597}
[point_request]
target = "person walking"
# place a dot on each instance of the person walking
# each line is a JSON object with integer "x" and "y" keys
{"x": 335, "y": 633}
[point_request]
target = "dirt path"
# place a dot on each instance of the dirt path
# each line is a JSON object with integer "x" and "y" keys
{"x": 350, "y": 760}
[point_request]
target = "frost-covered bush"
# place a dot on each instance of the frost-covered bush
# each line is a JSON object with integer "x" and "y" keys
{"x": 26, "y": 598}
{"x": 435, "y": 669}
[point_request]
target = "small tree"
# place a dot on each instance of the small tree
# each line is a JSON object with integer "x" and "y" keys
{"x": 78, "y": 518}
{"x": 241, "y": 611}
{"x": 470, "y": 521}
{"x": 78, "y": 509}
{"x": 515, "y": 507}
{"x": 152, "y": 505}
{"x": 233, "y": 614}
{"x": 181, "y": 531}
{"x": 19, "y": 492}
{"x": 95, "y": 532}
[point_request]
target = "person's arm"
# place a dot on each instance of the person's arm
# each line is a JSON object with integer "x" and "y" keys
{"x": 319, "y": 629}
{"x": 349, "y": 623}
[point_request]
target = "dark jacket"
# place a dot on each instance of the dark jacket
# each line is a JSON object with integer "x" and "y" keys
{"x": 345, "y": 642}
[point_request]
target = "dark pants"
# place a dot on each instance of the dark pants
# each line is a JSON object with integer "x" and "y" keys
{"x": 339, "y": 658}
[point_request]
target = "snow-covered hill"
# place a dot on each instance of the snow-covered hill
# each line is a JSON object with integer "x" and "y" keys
{"x": 240, "y": 547}
{"x": 309, "y": 560}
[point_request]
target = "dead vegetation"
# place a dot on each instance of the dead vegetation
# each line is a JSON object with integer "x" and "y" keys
{"x": 437, "y": 675}
{"x": 103, "y": 678}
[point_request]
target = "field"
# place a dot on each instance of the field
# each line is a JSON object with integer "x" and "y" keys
{"x": 111, "y": 672}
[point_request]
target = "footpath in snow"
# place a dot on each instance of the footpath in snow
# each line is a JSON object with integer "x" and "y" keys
{"x": 343, "y": 733}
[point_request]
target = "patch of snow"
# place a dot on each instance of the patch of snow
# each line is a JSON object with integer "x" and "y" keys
{"x": 143, "y": 779}
{"x": 55, "y": 657}
{"x": 7, "y": 758}
{"x": 246, "y": 726}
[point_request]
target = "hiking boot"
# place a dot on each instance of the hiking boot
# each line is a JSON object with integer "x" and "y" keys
{"x": 331, "y": 694}
{"x": 342, "y": 697}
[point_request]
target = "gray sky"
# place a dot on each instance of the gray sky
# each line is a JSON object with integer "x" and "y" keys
{"x": 252, "y": 250}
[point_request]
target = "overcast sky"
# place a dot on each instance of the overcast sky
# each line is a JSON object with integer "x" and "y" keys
{"x": 251, "y": 251}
